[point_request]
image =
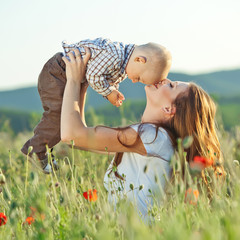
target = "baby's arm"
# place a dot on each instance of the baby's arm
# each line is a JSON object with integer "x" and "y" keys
{"x": 115, "y": 98}
{"x": 102, "y": 86}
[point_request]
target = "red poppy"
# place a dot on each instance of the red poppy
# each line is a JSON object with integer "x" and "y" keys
{"x": 191, "y": 196}
{"x": 29, "y": 220}
{"x": 90, "y": 195}
{"x": 199, "y": 163}
{"x": 207, "y": 162}
{"x": 35, "y": 214}
{"x": 3, "y": 219}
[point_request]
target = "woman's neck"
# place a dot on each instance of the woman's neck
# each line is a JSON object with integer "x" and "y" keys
{"x": 150, "y": 115}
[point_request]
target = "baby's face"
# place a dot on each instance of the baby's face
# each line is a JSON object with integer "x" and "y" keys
{"x": 146, "y": 75}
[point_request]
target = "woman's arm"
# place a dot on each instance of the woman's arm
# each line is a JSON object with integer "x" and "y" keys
{"x": 72, "y": 121}
{"x": 94, "y": 151}
{"x": 82, "y": 100}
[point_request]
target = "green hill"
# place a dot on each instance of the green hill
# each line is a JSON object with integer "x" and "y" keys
{"x": 222, "y": 83}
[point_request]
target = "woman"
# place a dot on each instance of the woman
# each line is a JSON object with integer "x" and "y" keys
{"x": 173, "y": 110}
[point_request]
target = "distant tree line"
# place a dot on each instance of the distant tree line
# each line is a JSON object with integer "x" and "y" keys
{"x": 14, "y": 121}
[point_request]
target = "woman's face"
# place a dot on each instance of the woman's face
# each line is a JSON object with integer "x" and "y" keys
{"x": 164, "y": 93}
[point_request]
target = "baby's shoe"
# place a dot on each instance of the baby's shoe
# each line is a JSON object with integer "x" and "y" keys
{"x": 54, "y": 163}
{"x": 48, "y": 167}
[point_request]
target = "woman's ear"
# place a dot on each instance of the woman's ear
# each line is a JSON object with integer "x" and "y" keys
{"x": 169, "y": 111}
{"x": 140, "y": 59}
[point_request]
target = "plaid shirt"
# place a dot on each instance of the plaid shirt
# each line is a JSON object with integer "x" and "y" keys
{"x": 106, "y": 67}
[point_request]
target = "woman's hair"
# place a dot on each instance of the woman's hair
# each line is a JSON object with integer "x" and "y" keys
{"x": 195, "y": 116}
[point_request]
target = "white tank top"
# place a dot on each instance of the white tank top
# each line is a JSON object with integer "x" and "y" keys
{"x": 151, "y": 171}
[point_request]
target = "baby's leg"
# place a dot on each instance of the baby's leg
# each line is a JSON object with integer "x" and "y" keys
{"x": 51, "y": 84}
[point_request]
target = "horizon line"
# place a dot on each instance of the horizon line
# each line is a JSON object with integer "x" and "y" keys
{"x": 17, "y": 87}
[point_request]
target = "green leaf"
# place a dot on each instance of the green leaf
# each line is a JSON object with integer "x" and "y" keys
{"x": 145, "y": 168}
{"x": 187, "y": 142}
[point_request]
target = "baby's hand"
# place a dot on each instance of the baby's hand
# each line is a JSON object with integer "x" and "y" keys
{"x": 116, "y": 98}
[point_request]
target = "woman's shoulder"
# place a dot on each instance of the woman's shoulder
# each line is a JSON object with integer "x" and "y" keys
{"x": 156, "y": 140}
{"x": 151, "y": 132}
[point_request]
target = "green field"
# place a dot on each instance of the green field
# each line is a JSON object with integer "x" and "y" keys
{"x": 61, "y": 211}
{"x": 16, "y": 121}
{"x": 230, "y": 114}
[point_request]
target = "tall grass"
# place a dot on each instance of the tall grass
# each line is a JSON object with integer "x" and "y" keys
{"x": 61, "y": 211}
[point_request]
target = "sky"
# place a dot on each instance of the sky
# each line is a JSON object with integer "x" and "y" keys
{"x": 202, "y": 35}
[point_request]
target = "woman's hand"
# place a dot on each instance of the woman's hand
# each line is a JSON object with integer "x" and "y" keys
{"x": 76, "y": 66}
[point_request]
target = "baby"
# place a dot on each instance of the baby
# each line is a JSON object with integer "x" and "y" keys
{"x": 110, "y": 63}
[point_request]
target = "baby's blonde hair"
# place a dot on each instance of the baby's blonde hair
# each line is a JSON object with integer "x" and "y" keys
{"x": 159, "y": 56}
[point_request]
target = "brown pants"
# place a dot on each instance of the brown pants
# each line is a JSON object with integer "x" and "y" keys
{"x": 51, "y": 84}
